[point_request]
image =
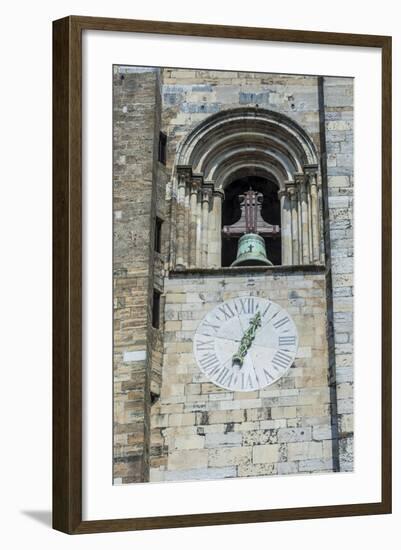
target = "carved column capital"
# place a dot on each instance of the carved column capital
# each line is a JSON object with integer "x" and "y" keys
{"x": 195, "y": 186}
{"x": 206, "y": 191}
{"x": 184, "y": 172}
{"x": 195, "y": 183}
{"x": 291, "y": 189}
{"x": 299, "y": 179}
{"x": 219, "y": 193}
{"x": 197, "y": 178}
{"x": 311, "y": 169}
{"x": 313, "y": 183}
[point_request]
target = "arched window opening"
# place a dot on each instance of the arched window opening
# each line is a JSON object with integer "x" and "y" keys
{"x": 232, "y": 225}
{"x": 225, "y": 157}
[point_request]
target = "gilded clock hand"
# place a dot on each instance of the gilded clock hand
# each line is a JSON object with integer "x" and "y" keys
{"x": 247, "y": 339}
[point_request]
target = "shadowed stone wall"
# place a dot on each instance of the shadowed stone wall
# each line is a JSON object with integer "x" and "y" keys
{"x": 136, "y": 133}
{"x": 338, "y": 120}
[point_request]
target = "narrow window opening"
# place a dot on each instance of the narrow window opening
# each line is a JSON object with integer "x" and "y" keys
{"x": 162, "y": 147}
{"x": 154, "y": 397}
{"x": 158, "y": 235}
{"x": 156, "y": 309}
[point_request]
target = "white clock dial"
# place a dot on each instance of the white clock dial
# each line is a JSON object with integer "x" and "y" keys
{"x": 245, "y": 343}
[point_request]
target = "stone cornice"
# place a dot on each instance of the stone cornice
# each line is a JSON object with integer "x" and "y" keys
{"x": 268, "y": 270}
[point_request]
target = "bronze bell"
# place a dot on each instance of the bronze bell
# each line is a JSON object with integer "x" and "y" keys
{"x": 251, "y": 251}
{"x": 251, "y": 225}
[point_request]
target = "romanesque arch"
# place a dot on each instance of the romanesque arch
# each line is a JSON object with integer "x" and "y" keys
{"x": 225, "y": 147}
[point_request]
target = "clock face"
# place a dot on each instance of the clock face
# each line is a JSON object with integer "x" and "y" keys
{"x": 245, "y": 343}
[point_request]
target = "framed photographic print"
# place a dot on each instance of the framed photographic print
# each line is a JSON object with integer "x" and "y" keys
{"x": 222, "y": 235}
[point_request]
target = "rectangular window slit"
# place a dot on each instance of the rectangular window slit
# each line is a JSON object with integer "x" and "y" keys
{"x": 162, "y": 147}
{"x": 158, "y": 235}
{"x": 156, "y": 309}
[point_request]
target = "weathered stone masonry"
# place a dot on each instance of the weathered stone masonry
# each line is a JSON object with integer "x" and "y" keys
{"x": 337, "y": 163}
{"x": 136, "y": 111}
{"x": 208, "y": 432}
{"x": 194, "y": 429}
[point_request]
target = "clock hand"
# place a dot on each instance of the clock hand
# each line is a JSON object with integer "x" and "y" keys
{"x": 247, "y": 339}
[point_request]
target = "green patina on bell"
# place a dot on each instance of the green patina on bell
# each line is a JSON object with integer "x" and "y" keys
{"x": 251, "y": 251}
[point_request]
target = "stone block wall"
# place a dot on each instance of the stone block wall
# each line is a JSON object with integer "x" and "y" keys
{"x": 338, "y": 129}
{"x": 191, "y": 95}
{"x": 201, "y": 431}
{"x": 136, "y": 131}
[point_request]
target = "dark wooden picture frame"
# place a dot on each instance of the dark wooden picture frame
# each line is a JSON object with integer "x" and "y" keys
{"x": 67, "y": 274}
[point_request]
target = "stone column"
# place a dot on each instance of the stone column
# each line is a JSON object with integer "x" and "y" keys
{"x": 173, "y": 222}
{"x": 320, "y": 220}
{"x": 186, "y": 223}
{"x": 309, "y": 222}
{"x": 299, "y": 217}
{"x": 192, "y": 224}
{"x": 214, "y": 245}
{"x": 198, "y": 228}
{"x": 314, "y": 218}
{"x": 292, "y": 193}
{"x": 205, "y": 197}
{"x": 286, "y": 242}
{"x": 180, "y": 261}
{"x": 304, "y": 219}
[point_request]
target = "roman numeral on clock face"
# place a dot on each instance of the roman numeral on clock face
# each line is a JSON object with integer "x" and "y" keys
{"x": 269, "y": 305}
{"x": 210, "y": 364}
{"x": 286, "y": 340}
{"x": 205, "y": 345}
{"x": 281, "y": 322}
{"x": 281, "y": 360}
{"x": 246, "y": 381}
{"x": 246, "y": 305}
{"x": 226, "y": 310}
{"x": 210, "y": 327}
{"x": 225, "y": 377}
{"x": 268, "y": 376}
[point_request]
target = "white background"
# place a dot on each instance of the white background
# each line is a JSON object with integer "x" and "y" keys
{"x": 100, "y": 498}
{"x": 26, "y": 271}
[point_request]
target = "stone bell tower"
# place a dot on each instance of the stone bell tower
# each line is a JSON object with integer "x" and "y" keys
{"x": 230, "y": 185}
